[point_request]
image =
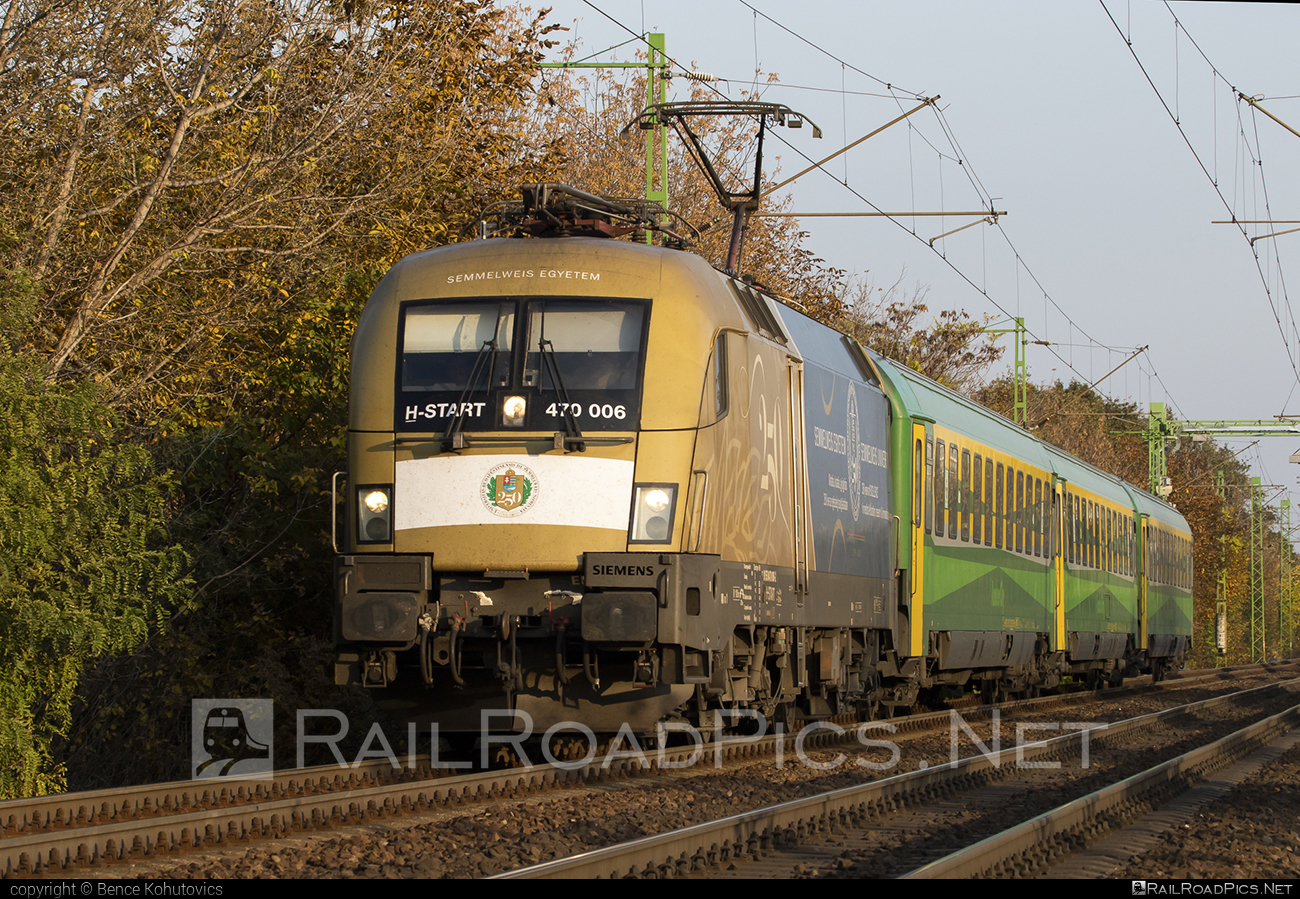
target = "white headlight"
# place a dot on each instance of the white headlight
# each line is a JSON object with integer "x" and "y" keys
{"x": 657, "y": 500}
{"x": 652, "y": 513}
{"x": 512, "y": 411}
{"x": 375, "y": 514}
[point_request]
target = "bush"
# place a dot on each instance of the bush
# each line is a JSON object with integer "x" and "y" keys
{"x": 86, "y": 568}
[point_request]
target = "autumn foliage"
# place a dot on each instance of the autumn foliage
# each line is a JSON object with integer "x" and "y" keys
{"x": 196, "y": 198}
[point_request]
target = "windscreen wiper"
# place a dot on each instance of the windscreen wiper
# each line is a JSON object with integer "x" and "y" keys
{"x": 572, "y": 434}
{"x": 452, "y": 438}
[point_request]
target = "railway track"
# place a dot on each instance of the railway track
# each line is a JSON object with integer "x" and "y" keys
{"x": 51, "y": 835}
{"x": 817, "y": 833}
{"x": 1089, "y": 836}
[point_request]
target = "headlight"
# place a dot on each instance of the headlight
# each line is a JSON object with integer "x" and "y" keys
{"x": 658, "y": 499}
{"x": 375, "y": 513}
{"x": 512, "y": 411}
{"x": 652, "y": 513}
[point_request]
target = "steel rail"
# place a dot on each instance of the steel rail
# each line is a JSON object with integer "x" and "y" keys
{"x": 56, "y": 832}
{"x": 785, "y": 824}
{"x": 1021, "y": 849}
{"x": 67, "y": 810}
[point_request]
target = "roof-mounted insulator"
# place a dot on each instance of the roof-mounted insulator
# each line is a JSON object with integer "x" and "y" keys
{"x": 701, "y": 76}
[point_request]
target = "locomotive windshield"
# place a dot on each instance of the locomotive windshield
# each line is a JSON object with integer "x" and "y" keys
{"x": 441, "y": 344}
{"x": 470, "y": 356}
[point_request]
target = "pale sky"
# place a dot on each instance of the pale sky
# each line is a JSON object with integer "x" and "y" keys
{"x": 1108, "y": 209}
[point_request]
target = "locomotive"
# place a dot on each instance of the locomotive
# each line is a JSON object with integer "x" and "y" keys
{"x": 599, "y": 481}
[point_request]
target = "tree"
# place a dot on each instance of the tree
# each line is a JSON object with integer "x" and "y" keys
{"x": 587, "y": 116}
{"x": 170, "y": 174}
{"x": 205, "y": 191}
{"x": 86, "y": 564}
{"x": 954, "y": 350}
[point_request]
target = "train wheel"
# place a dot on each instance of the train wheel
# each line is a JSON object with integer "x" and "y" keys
{"x": 790, "y": 717}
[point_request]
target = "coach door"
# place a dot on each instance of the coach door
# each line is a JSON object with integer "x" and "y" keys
{"x": 921, "y": 479}
{"x": 1144, "y": 550}
{"x": 1059, "y": 486}
{"x": 799, "y": 480}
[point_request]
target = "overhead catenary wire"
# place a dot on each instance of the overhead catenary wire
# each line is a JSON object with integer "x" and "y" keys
{"x": 1295, "y": 366}
{"x": 958, "y": 159}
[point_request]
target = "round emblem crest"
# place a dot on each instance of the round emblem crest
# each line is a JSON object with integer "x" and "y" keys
{"x": 509, "y": 489}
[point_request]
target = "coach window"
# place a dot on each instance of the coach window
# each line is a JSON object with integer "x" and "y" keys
{"x": 977, "y": 501}
{"x": 1108, "y": 522}
{"x": 965, "y": 496}
{"x": 1068, "y": 549}
{"x": 1009, "y": 510}
{"x": 1045, "y": 512}
{"x": 1117, "y": 540}
{"x": 1086, "y": 531}
{"x": 929, "y": 477}
{"x": 1031, "y": 514}
{"x": 1073, "y": 510}
{"x": 1020, "y": 511}
{"x": 1013, "y": 510}
{"x": 997, "y": 510}
{"x": 1134, "y": 526}
{"x": 1162, "y": 570}
{"x": 1121, "y": 543}
{"x": 1094, "y": 533}
{"x": 954, "y": 493}
{"x": 940, "y": 488}
{"x": 988, "y": 502}
{"x": 1112, "y": 549}
{"x": 1101, "y": 538}
{"x": 1131, "y": 561}
{"x": 1156, "y": 573}
{"x": 1121, "y": 532}
{"x": 1103, "y": 532}
{"x": 1033, "y": 543}
{"x": 1160, "y": 557}
{"x": 1124, "y": 546}
{"x": 1078, "y": 531}
{"x": 1067, "y": 537}
{"x": 918, "y": 480}
{"x": 1039, "y": 517}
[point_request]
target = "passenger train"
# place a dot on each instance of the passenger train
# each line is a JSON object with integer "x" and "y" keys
{"x": 598, "y": 481}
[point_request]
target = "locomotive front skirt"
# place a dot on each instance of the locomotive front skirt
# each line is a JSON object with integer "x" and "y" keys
{"x": 600, "y": 482}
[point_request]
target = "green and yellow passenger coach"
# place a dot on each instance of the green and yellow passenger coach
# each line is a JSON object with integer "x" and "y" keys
{"x": 1022, "y": 553}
